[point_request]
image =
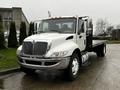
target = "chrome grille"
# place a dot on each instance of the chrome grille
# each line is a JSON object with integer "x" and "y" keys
{"x": 40, "y": 48}
{"x": 37, "y": 48}
{"x": 27, "y": 48}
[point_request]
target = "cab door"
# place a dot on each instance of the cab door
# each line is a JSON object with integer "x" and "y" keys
{"x": 81, "y": 34}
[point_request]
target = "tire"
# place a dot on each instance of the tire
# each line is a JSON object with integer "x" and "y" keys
{"x": 73, "y": 70}
{"x": 102, "y": 50}
{"x": 27, "y": 70}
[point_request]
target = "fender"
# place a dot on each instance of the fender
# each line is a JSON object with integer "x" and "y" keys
{"x": 68, "y": 46}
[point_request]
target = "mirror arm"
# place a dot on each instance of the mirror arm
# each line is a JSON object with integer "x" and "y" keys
{"x": 79, "y": 32}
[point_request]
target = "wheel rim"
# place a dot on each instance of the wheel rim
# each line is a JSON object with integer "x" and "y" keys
{"x": 104, "y": 50}
{"x": 75, "y": 66}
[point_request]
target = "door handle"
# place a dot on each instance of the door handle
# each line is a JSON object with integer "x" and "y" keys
{"x": 80, "y": 36}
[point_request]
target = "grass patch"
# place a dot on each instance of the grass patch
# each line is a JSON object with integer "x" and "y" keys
{"x": 8, "y": 59}
{"x": 113, "y": 42}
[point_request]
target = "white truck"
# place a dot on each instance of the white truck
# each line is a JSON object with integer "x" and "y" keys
{"x": 61, "y": 44}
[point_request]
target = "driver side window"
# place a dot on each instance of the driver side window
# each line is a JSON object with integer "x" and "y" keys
{"x": 81, "y": 26}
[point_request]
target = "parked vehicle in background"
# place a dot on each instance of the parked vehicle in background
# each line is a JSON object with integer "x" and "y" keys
{"x": 61, "y": 44}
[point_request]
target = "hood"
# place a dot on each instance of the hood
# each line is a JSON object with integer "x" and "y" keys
{"x": 53, "y": 39}
{"x": 48, "y": 37}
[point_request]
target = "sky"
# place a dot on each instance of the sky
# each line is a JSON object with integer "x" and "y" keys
{"x": 38, "y": 9}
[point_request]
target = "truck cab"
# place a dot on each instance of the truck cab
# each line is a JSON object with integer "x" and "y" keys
{"x": 60, "y": 44}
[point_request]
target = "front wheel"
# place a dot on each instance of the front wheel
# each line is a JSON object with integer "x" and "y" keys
{"x": 73, "y": 69}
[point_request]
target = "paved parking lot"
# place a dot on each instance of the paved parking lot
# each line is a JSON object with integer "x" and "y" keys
{"x": 99, "y": 74}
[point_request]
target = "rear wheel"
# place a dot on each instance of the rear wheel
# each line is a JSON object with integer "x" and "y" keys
{"x": 73, "y": 69}
{"x": 27, "y": 70}
{"x": 101, "y": 51}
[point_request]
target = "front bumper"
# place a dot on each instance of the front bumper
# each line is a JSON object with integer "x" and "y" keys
{"x": 44, "y": 63}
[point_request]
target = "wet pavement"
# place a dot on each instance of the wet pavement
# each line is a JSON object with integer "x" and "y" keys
{"x": 98, "y": 74}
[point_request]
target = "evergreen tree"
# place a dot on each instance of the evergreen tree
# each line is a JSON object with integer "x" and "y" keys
{"x": 12, "y": 39}
{"x": 31, "y": 29}
{"x": 2, "y": 39}
{"x": 23, "y": 34}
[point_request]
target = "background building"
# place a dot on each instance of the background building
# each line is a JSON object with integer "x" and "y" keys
{"x": 115, "y": 34}
{"x": 13, "y": 14}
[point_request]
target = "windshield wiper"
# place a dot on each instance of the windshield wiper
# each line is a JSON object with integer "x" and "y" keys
{"x": 55, "y": 31}
{"x": 41, "y": 32}
{"x": 49, "y": 31}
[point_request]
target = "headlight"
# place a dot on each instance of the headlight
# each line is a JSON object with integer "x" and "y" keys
{"x": 59, "y": 54}
{"x": 19, "y": 50}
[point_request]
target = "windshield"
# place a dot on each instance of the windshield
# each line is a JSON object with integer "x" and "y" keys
{"x": 63, "y": 25}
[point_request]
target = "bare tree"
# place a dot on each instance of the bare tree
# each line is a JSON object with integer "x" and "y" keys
{"x": 101, "y": 26}
{"x": 109, "y": 29}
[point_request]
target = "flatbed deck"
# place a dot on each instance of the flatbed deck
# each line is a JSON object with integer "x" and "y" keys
{"x": 98, "y": 42}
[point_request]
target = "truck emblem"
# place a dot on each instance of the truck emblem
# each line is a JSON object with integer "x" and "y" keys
{"x": 33, "y": 47}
